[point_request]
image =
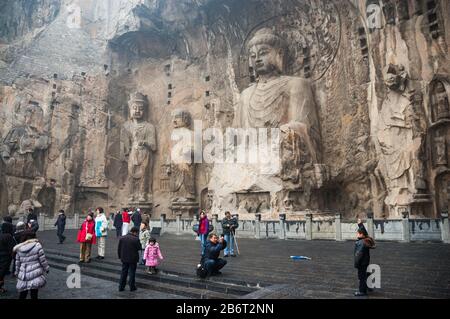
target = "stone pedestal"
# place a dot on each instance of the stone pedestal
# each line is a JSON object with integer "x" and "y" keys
{"x": 163, "y": 221}
{"x": 445, "y": 228}
{"x": 308, "y": 228}
{"x": 257, "y": 226}
{"x": 405, "y": 227}
{"x": 186, "y": 209}
{"x": 179, "y": 226}
{"x": 282, "y": 226}
{"x": 338, "y": 228}
{"x": 370, "y": 225}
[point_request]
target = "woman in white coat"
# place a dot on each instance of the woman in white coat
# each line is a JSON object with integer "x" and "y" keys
{"x": 101, "y": 232}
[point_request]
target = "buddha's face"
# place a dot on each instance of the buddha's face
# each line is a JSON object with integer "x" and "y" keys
{"x": 178, "y": 121}
{"x": 266, "y": 59}
{"x": 137, "y": 110}
{"x": 33, "y": 116}
{"x": 395, "y": 77}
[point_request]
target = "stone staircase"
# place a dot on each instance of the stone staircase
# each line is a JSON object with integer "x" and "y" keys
{"x": 181, "y": 284}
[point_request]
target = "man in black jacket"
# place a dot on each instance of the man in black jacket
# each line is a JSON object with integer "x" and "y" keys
{"x": 8, "y": 219}
{"x": 229, "y": 225}
{"x": 6, "y": 248}
{"x": 31, "y": 215}
{"x": 362, "y": 257}
{"x": 118, "y": 224}
{"x": 136, "y": 218}
{"x": 128, "y": 252}
{"x": 61, "y": 226}
{"x": 211, "y": 260}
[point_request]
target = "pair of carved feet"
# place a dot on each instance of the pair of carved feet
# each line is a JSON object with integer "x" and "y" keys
{"x": 139, "y": 198}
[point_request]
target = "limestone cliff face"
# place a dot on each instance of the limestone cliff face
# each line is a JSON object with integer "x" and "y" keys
{"x": 383, "y": 145}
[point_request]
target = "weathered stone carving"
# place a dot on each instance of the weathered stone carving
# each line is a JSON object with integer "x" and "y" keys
{"x": 439, "y": 102}
{"x": 275, "y": 101}
{"x": 401, "y": 145}
{"x": 278, "y": 101}
{"x": 23, "y": 147}
{"x": 440, "y": 143}
{"x": 181, "y": 168}
{"x": 67, "y": 185}
{"x": 139, "y": 140}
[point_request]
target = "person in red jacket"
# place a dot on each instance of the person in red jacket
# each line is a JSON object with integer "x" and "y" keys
{"x": 86, "y": 237}
{"x": 203, "y": 229}
{"x": 126, "y": 219}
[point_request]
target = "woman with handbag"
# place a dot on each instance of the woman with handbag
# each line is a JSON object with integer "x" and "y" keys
{"x": 86, "y": 237}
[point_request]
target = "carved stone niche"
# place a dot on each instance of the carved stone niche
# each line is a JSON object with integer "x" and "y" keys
{"x": 253, "y": 202}
{"x": 439, "y": 148}
{"x": 442, "y": 187}
{"x": 439, "y": 99}
{"x": 389, "y": 12}
{"x": 301, "y": 200}
{"x": 402, "y": 10}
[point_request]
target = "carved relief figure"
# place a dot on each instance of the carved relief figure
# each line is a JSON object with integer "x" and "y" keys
{"x": 181, "y": 168}
{"x": 439, "y": 102}
{"x": 274, "y": 101}
{"x": 67, "y": 185}
{"x": 440, "y": 144}
{"x": 139, "y": 144}
{"x": 401, "y": 146}
{"x": 24, "y": 145}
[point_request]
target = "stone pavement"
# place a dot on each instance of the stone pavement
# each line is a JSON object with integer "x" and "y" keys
{"x": 408, "y": 270}
{"x": 91, "y": 288}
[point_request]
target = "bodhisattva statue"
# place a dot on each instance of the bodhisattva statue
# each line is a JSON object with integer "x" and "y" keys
{"x": 139, "y": 144}
{"x": 277, "y": 100}
{"x": 181, "y": 167}
{"x": 23, "y": 147}
{"x": 401, "y": 146}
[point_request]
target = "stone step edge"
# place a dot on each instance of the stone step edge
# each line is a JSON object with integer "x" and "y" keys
{"x": 231, "y": 282}
{"x": 181, "y": 282}
{"x": 187, "y": 292}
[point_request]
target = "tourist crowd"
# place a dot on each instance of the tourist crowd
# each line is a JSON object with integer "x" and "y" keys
{"x": 22, "y": 255}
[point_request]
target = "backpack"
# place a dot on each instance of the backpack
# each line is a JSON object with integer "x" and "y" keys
{"x": 201, "y": 271}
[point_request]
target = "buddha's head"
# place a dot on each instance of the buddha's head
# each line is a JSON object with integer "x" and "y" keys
{"x": 181, "y": 118}
{"x": 395, "y": 77}
{"x": 267, "y": 52}
{"x": 33, "y": 115}
{"x": 137, "y": 105}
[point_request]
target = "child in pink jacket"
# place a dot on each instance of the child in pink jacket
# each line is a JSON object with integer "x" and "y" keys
{"x": 151, "y": 255}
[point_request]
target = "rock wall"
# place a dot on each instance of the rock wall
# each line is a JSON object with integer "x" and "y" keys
{"x": 378, "y": 71}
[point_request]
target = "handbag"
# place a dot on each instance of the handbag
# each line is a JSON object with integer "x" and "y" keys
{"x": 88, "y": 235}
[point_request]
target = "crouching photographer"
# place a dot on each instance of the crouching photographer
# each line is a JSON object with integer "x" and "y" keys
{"x": 211, "y": 261}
